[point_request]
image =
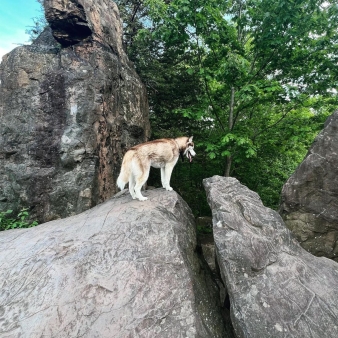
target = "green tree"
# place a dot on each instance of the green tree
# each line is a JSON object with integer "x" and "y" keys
{"x": 251, "y": 78}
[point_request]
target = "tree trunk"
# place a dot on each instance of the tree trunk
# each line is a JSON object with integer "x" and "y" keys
{"x": 228, "y": 166}
{"x": 231, "y": 124}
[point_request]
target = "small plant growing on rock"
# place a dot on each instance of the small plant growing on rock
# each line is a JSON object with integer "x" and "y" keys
{"x": 20, "y": 221}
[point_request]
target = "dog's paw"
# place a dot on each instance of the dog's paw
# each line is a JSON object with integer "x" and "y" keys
{"x": 169, "y": 188}
{"x": 142, "y": 198}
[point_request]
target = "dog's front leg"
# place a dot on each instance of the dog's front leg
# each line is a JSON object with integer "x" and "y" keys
{"x": 167, "y": 175}
{"x": 163, "y": 177}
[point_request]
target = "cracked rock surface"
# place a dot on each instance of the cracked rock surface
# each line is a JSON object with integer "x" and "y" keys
{"x": 123, "y": 269}
{"x": 71, "y": 104}
{"x": 309, "y": 201}
{"x": 276, "y": 288}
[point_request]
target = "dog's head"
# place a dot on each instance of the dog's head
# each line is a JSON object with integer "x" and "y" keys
{"x": 189, "y": 150}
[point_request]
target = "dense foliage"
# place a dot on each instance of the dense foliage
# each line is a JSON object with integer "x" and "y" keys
{"x": 252, "y": 80}
{"x": 8, "y": 221}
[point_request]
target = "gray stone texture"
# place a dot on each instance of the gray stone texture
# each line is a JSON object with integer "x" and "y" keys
{"x": 309, "y": 201}
{"x": 70, "y": 106}
{"x": 122, "y": 269}
{"x": 276, "y": 288}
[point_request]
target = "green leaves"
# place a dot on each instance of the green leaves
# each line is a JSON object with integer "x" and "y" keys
{"x": 240, "y": 144}
{"x": 20, "y": 221}
{"x": 251, "y": 80}
{"x": 157, "y": 9}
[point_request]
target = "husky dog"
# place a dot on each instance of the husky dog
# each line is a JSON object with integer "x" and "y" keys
{"x": 162, "y": 153}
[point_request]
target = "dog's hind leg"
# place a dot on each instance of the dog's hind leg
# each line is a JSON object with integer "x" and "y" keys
{"x": 139, "y": 183}
{"x": 141, "y": 178}
{"x": 132, "y": 186}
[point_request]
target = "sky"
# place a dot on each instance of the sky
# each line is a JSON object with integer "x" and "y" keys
{"x": 15, "y": 17}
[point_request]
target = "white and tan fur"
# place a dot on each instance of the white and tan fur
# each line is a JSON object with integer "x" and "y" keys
{"x": 162, "y": 153}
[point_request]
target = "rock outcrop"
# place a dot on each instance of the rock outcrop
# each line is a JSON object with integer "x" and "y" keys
{"x": 122, "y": 269}
{"x": 309, "y": 202}
{"x": 70, "y": 105}
{"x": 276, "y": 288}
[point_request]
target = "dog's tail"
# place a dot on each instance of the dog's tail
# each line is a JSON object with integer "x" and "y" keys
{"x": 123, "y": 178}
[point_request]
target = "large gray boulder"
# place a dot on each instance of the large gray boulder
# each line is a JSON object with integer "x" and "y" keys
{"x": 70, "y": 105}
{"x": 276, "y": 288}
{"x": 309, "y": 201}
{"x": 122, "y": 269}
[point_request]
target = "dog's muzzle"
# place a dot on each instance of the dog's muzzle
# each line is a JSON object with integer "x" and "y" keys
{"x": 190, "y": 153}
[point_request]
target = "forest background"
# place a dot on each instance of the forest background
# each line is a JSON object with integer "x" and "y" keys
{"x": 252, "y": 80}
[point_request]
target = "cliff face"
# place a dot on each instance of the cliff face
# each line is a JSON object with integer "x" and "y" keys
{"x": 70, "y": 104}
{"x": 309, "y": 202}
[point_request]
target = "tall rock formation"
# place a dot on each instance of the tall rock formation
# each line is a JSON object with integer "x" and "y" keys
{"x": 309, "y": 203}
{"x": 276, "y": 288}
{"x": 70, "y": 104}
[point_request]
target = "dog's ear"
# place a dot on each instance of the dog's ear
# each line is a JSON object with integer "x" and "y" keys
{"x": 190, "y": 139}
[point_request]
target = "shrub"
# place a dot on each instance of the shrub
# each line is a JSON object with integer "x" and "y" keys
{"x": 7, "y": 221}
